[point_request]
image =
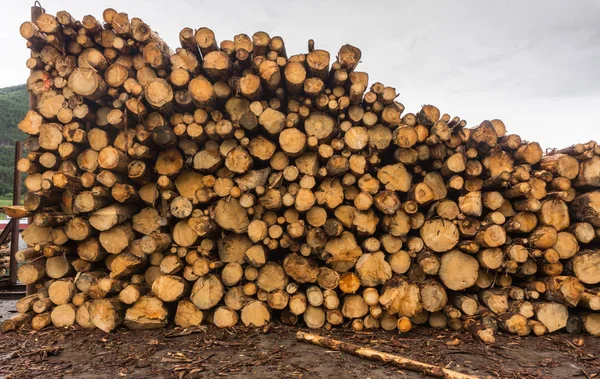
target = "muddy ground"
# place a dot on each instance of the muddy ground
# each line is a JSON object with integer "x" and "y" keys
{"x": 209, "y": 352}
{"x": 7, "y": 309}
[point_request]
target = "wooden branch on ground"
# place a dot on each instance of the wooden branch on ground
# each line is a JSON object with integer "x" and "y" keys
{"x": 378, "y": 356}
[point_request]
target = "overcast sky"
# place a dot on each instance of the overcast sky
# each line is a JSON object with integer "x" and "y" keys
{"x": 534, "y": 64}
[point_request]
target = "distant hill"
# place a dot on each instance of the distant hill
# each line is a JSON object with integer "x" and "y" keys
{"x": 14, "y": 103}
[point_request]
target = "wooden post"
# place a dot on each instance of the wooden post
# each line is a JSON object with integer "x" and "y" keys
{"x": 14, "y": 240}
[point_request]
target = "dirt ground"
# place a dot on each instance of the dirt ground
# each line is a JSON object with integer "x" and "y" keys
{"x": 7, "y": 309}
{"x": 209, "y": 352}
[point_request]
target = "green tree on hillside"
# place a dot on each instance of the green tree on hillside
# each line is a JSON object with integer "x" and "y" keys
{"x": 14, "y": 103}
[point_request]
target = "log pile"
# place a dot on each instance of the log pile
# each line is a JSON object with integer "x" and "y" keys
{"x": 233, "y": 183}
{"x": 4, "y": 260}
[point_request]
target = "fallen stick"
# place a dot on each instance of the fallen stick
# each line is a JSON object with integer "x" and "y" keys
{"x": 375, "y": 355}
{"x": 185, "y": 332}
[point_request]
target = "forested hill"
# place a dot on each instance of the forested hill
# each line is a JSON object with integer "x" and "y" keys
{"x": 14, "y": 103}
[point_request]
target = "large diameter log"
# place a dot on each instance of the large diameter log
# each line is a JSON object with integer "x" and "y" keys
{"x": 439, "y": 235}
{"x": 63, "y": 315}
{"x": 395, "y": 177}
{"x": 169, "y": 288}
{"x": 586, "y": 266}
{"x": 561, "y": 165}
{"x": 105, "y": 218}
{"x": 106, "y": 314}
{"x": 433, "y": 296}
{"x": 589, "y": 173}
{"x": 86, "y": 82}
{"x": 31, "y": 123}
{"x": 188, "y": 314}
{"x": 343, "y": 252}
{"x": 224, "y": 317}
{"x": 125, "y": 264}
{"x": 159, "y": 94}
{"x": 82, "y": 316}
{"x": 299, "y": 268}
{"x": 147, "y": 221}
{"x": 230, "y": 215}
{"x": 271, "y": 277}
{"x": 147, "y": 313}
{"x": 207, "y": 292}
{"x": 30, "y": 273}
{"x": 354, "y": 306}
{"x": 232, "y": 248}
{"x": 458, "y": 270}
{"x": 169, "y": 162}
{"x": 401, "y": 297}
{"x": 555, "y": 213}
{"x": 586, "y": 207}
{"x": 116, "y": 239}
{"x": 591, "y": 324}
{"x": 314, "y": 317}
{"x": 58, "y": 267}
{"x": 373, "y": 270}
{"x": 34, "y": 234}
{"x": 255, "y": 313}
{"x": 553, "y": 315}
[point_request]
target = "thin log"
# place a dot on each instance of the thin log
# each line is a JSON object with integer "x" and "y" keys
{"x": 378, "y": 356}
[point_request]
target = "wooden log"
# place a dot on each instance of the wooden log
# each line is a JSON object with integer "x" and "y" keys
{"x": 591, "y": 324}
{"x": 552, "y": 315}
{"x": 16, "y": 322}
{"x": 314, "y": 317}
{"x": 25, "y": 304}
{"x": 188, "y": 315}
{"x": 147, "y": 312}
{"x": 86, "y": 82}
{"x": 58, "y": 267}
{"x": 375, "y": 355}
{"x": 63, "y": 315}
{"x": 105, "y": 218}
{"x": 586, "y": 208}
{"x": 106, "y": 314}
{"x": 41, "y": 320}
{"x": 458, "y": 270}
{"x": 255, "y": 313}
{"x": 224, "y": 317}
{"x": 30, "y": 273}
{"x": 372, "y": 269}
{"x": 82, "y": 316}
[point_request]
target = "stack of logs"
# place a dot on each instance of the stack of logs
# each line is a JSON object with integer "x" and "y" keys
{"x": 233, "y": 183}
{"x": 4, "y": 260}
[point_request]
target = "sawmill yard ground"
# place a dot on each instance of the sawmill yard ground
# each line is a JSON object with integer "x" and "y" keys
{"x": 209, "y": 352}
